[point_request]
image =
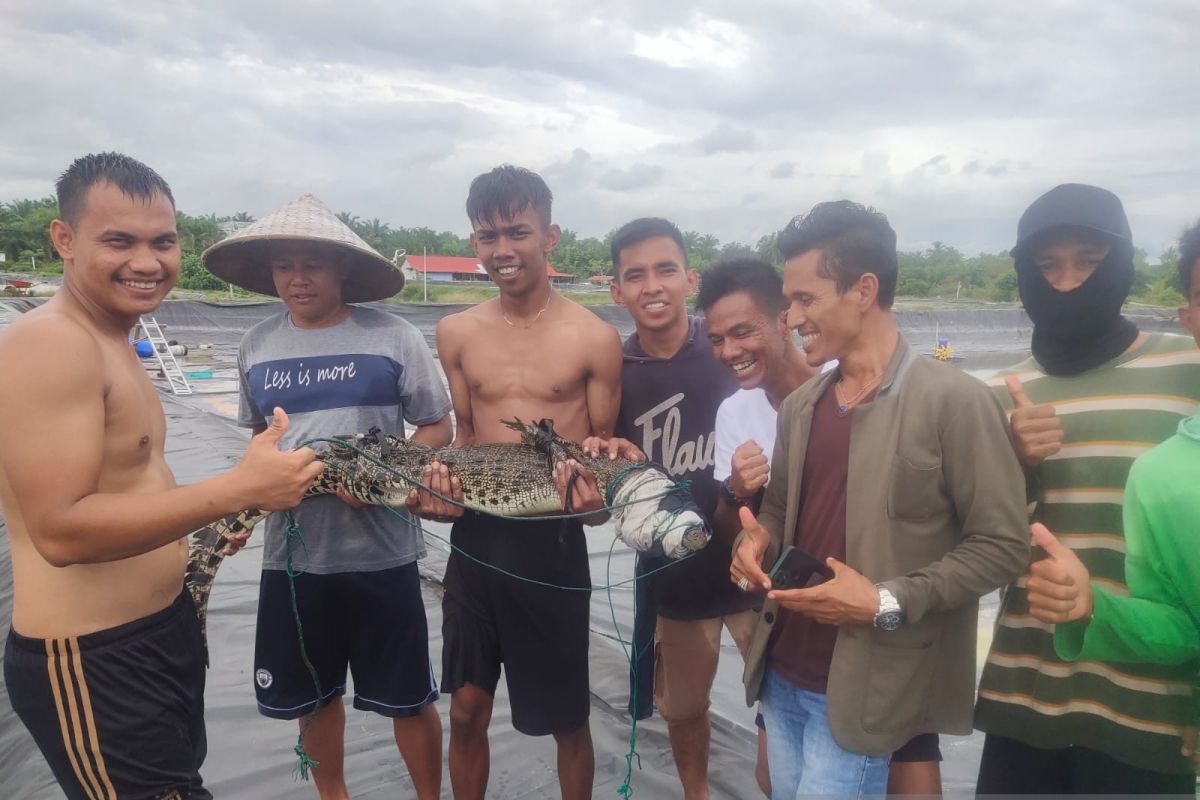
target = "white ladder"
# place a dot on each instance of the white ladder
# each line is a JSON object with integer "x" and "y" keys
{"x": 166, "y": 359}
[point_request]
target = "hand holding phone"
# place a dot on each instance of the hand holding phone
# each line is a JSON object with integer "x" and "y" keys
{"x": 796, "y": 569}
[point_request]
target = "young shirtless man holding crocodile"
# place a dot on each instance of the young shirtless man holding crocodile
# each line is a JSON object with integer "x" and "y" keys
{"x": 532, "y": 354}
{"x": 105, "y": 660}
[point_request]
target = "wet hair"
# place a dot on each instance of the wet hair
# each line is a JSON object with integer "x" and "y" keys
{"x": 638, "y": 231}
{"x": 132, "y": 177}
{"x": 1189, "y": 254}
{"x": 853, "y": 239}
{"x": 507, "y": 191}
{"x": 753, "y": 276}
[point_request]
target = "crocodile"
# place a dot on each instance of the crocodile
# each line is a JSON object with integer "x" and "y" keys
{"x": 652, "y": 513}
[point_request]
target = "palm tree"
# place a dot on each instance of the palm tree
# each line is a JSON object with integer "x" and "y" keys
{"x": 197, "y": 233}
{"x": 374, "y": 232}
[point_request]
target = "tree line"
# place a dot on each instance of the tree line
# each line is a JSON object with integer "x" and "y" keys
{"x": 939, "y": 271}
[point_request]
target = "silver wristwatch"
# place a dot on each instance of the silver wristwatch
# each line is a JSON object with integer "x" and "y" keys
{"x": 890, "y": 616}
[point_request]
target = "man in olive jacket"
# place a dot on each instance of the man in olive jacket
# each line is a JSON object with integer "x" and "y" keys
{"x": 897, "y": 472}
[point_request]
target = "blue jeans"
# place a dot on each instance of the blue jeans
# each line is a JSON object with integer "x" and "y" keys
{"x": 804, "y": 759}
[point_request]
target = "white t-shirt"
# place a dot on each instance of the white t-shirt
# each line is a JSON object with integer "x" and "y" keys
{"x": 743, "y": 416}
{"x": 747, "y": 415}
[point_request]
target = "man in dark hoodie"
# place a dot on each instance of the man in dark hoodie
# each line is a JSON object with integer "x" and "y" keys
{"x": 671, "y": 387}
{"x": 1096, "y": 394}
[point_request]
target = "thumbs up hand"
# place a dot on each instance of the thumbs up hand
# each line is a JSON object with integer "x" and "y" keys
{"x": 272, "y": 479}
{"x": 1037, "y": 429}
{"x": 746, "y": 567}
{"x": 1059, "y": 585}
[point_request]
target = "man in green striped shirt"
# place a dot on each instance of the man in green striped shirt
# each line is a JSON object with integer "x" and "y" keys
{"x": 1096, "y": 394}
{"x": 1160, "y": 620}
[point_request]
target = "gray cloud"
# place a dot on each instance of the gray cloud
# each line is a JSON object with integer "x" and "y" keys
{"x": 638, "y": 176}
{"x": 950, "y": 117}
{"x": 783, "y": 170}
{"x": 726, "y": 138}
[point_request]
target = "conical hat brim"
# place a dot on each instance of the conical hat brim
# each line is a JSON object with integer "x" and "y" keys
{"x": 243, "y": 258}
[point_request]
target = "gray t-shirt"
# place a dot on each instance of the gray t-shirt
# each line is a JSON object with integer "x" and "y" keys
{"x": 371, "y": 370}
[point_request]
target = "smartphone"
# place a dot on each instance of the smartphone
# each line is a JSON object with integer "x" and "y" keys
{"x": 796, "y": 569}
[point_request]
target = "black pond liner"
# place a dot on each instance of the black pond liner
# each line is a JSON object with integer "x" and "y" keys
{"x": 250, "y": 756}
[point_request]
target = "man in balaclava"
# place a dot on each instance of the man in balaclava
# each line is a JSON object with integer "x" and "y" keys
{"x": 1074, "y": 261}
{"x": 1095, "y": 395}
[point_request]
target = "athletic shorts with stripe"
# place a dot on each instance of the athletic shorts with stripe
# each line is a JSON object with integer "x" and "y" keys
{"x": 118, "y": 713}
{"x": 372, "y": 622}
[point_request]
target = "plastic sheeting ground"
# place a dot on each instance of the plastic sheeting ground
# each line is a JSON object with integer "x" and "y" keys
{"x": 251, "y": 757}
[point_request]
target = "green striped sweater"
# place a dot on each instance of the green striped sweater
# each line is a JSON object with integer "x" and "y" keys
{"x": 1110, "y": 415}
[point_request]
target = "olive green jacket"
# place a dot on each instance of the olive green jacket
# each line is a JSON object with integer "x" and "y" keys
{"x": 935, "y": 511}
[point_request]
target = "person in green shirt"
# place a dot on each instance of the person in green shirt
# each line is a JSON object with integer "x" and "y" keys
{"x": 1159, "y": 622}
{"x": 1096, "y": 394}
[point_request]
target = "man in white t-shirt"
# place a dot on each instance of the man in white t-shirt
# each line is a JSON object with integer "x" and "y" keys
{"x": 745, "y": 311}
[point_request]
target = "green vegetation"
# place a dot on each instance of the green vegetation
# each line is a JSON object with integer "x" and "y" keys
{"x": 25, "y": 236}
{"x": 940, "y": 271}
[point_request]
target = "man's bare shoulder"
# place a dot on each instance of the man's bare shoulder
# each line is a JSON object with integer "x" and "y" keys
{"x": 452, "y": 328}
{"x": 589, "y": 324}
{"x": 49, "y": 359}
{"x": 470, "y": 317}
{"x": 46, "y": 332}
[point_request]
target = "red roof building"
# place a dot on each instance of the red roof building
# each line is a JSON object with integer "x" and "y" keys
{"x": 455, "y": 268}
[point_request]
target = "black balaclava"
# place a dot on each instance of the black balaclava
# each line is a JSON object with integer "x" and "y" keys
{"x": 1081, "y": 329}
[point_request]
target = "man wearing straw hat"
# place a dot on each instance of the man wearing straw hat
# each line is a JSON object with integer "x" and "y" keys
{"x": 341, "y": 368}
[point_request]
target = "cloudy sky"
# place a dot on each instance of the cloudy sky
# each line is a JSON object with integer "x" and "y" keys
{"x": 728, "y": 117}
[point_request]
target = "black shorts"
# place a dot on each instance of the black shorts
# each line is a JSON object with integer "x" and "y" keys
{"x": 119, "y": 712}
{"x": 922, "y": 747}
{"x": 1012, "y": 767}
{"x": 539, "y": 633}
{"x": 373, "y": 622}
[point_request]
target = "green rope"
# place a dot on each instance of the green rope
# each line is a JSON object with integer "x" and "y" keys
{"x": 305, "y": 762}
{"x": 626, "y": 788}
{"x": 534, "y": 581}
{"x": 680, "y": 488}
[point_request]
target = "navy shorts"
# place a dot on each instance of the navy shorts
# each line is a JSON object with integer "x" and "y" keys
{"x": 372, "y": 622}
{"x": 539, "y": 633}
{"x": 119, "y": 712}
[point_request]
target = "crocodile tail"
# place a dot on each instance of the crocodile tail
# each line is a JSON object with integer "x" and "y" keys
{"x": 206, "y": 551}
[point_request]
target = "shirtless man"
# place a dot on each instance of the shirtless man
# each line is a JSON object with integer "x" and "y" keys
{"x": 95, "y": 519}
{"x": 530, "y": 354}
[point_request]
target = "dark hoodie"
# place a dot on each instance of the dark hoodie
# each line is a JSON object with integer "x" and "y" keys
{"x": 1081, "y": 329}
{"x": 669, "y": 409}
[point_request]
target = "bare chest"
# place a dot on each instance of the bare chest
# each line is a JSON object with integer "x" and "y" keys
{"x": 134, "y": 425}
{"x": 526, "y": 366}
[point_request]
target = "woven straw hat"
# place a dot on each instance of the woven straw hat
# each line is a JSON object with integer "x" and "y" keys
{"x": 242, "y": 258}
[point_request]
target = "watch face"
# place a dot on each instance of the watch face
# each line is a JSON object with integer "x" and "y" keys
{"x": 889, "y": 620}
